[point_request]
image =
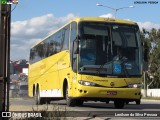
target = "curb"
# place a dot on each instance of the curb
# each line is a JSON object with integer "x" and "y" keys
{"x": 143, "y": 99}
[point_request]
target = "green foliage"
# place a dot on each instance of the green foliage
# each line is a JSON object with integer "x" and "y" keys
{"x": 153, "y": 44}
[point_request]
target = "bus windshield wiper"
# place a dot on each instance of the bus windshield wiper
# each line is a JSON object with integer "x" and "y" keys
{"x": 102, "y": 67}
{"x": 124, "y": 67}
{"x": 99, "y": 69}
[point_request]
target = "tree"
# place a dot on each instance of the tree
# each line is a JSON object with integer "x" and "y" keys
{"x": 153, "y": 42}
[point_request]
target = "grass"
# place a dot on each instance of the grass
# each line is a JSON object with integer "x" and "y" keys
{"x": 56, "y": 113}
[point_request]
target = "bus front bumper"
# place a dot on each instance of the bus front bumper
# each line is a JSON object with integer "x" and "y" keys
{"x": 108, "y": 93}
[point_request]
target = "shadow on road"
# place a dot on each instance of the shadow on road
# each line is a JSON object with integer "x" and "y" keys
{"x": 131, "y": 106}
{"x": 92, "y": 105}
{"x": 128, "y": 107}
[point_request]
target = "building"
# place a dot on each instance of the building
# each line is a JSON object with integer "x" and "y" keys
{"x": 16, "y": 67}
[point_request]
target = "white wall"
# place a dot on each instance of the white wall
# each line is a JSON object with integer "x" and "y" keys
{"x": 152, "y": 92}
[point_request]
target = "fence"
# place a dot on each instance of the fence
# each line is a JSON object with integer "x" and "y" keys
{"x": 152, "y": 92}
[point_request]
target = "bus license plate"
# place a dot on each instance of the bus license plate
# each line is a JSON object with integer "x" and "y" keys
{"x": 111, "y": 92}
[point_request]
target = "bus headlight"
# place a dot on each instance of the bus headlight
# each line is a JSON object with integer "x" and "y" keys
{"x": 135, "y": 85}
{"x": 86, "y": 83}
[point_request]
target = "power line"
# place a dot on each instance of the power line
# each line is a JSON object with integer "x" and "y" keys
{"x": 14, "y": 8}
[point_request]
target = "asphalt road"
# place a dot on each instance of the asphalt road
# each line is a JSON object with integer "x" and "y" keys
{"x": 95, "y": 110}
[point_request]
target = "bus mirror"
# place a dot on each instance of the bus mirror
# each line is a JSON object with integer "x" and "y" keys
{"x": 76, "y": 47}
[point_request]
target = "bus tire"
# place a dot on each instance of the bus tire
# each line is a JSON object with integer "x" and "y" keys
{"x": 119, "y": 104}
{"x": 127, "y": 102}
{"x": 48, "y": 101}
{"x": 138, "y": 102}
{"x": 69, "y": 101}
{"x": 38, "y": 99}
{"x": 107, "y": 102}
{"x": 79, "y": 102}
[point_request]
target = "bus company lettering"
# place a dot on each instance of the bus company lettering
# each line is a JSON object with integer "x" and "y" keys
{"x": 101, "y": 80}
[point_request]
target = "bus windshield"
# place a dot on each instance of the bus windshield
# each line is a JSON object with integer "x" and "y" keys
{"x": 109, "y": 49}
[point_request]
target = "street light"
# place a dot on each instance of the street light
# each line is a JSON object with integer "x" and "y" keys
{"x": 114, "y": 9}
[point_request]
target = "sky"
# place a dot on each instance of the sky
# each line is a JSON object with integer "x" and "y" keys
{"x": 32, "y": 20}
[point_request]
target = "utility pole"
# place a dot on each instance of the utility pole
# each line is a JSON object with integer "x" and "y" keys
{"x": 5, "y": 20}
{"x": 145, "y": 84}
{"x": 114, "y": 9}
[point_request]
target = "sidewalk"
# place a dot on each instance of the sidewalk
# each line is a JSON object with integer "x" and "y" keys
{"x": 150, "y": 99}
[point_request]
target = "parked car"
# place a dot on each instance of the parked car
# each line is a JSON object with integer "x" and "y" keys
{"x": 23, "y": 89}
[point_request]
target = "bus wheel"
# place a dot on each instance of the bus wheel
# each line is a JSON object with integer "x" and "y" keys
{"x": 119, "y": 104}
{"x": 107, "y": 102}
{"x": 79, "y": 102}
{"x": 138, "y": 102}
{"x": 70, "y": 102}
{"x": 48, "y": 101}
{"x": 38, "y": 99}
{"x": 127, "y": 102}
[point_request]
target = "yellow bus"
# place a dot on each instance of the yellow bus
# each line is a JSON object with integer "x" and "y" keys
{"x": 88, "y": 59}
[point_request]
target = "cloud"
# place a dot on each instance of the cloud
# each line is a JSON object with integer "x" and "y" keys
{"x": 148, "y": 25}
{"x": 24, "y": 34}
{"x": 109, "y": 15}
{"x": 38, "y": 26}
{"x": 20, "y": 49}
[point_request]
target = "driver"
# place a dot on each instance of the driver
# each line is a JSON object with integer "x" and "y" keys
{"x": 119, "y": 55}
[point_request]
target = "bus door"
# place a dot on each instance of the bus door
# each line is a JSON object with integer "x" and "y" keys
{"x": 73, "y": 57}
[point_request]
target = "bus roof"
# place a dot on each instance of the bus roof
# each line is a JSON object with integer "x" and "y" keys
{"x": 101, "y": 19}
{"x": 93, "y": 19}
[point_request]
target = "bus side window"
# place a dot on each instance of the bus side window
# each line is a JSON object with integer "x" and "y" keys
{"x": 32, "y": 55}
{"x": 73, "y": 57}
{"x": 66, "y": 38}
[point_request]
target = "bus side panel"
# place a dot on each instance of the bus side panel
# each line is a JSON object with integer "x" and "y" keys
{"x": 45, "y": 74}
{"x": 50, "y": 84}
{"x": 64, "y": 70}
{"x": 34, "y": 76}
